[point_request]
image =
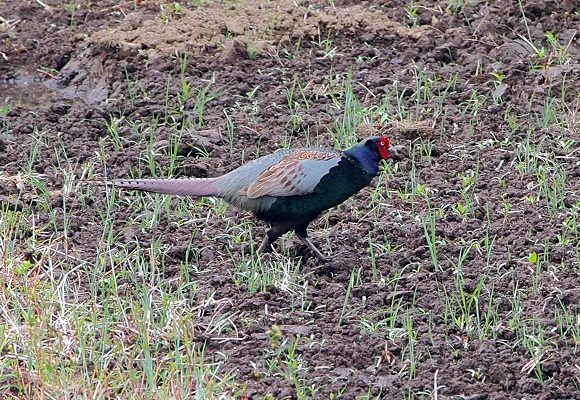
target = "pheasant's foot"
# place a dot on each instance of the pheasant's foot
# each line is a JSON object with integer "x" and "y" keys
{"x": 306, "y": 240}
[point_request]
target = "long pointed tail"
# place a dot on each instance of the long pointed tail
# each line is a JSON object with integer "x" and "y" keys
{"x": 182, "y": 187}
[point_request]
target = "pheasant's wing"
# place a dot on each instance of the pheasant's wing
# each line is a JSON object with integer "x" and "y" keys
{"x": 295, "y": 174}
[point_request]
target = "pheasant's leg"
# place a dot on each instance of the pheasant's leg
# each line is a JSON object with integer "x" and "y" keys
{"x": 306, "y": 240}
{"x": 264, "y": 244}
{"x": 272, "y": 235}
{"x": 303, "y": 236}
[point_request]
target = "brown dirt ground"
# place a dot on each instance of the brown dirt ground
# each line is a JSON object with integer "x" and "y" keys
{"x": 68, "y": 79}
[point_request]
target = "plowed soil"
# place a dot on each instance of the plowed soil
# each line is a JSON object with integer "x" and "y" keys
{"x": 71, "y": 74}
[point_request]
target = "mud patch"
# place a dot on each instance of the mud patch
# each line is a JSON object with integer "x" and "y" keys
{"x": 261, "y": 28}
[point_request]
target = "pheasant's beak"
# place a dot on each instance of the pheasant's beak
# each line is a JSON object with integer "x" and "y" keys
{"x": 392, "y": 151}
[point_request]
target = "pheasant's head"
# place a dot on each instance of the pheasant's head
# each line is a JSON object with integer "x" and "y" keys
{"x": 371, "y": 151}
{"x": 377, "y": 144}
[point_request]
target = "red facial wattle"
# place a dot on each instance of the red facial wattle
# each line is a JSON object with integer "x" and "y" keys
{"x": 383, "y": 145}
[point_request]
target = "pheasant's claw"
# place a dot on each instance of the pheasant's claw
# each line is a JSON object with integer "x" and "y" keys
{"x": 306, "y": 240}
{"x": 334, "y": 256}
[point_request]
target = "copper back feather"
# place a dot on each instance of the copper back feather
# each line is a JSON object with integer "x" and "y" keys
{"x": 297, "y": 173}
